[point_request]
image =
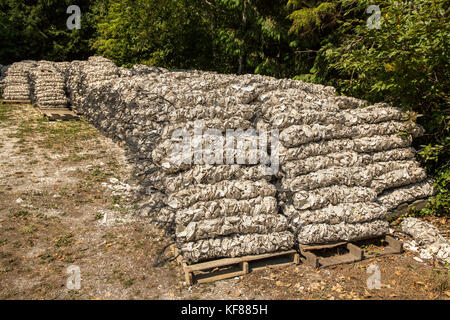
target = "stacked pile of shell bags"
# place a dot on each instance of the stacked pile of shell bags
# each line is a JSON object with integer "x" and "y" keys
{"x": 16, "y": 84}
{"x": 115, "y": 101}
{"x": 48, "y": 86}
{"x": 222, "y": 207}
{"x": 2, "y": 76}
{"x": 128, "y": 114}
{"x": 343, "y": 165}
{"x": 296, "y": 163}
{"x": 82, "y": 76}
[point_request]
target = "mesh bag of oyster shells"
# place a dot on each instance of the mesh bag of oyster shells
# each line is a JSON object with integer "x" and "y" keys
{"x": 16, "y": 82}
{"x": 236, "y": 245}
{"x": 431, "y": 242}
{"x": 229, "y": 210}
{"x": 49, "y": 86}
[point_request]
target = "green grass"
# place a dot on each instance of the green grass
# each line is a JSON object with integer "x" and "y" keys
{"x": 55, "y": 135}
{"x": 29, "y": 229}
{"x": 128, "y": 283}
{"x": 65, "y": 240}
{"x": 5, "y": 111}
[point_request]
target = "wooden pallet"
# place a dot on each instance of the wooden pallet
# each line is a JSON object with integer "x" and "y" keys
{"x": 233, "y": 267}
{"x": 321, "y": 256}
{"x": 16, "y": 101}
{"x": 54, "y": 114}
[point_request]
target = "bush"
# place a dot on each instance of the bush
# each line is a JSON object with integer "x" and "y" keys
{"x": 405, "y": 63}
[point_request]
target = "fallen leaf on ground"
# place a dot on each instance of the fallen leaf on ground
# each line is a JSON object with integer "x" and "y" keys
{"x": 367, "y": 293}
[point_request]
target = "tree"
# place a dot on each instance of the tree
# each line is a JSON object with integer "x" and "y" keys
{"x": 37, "y": 30}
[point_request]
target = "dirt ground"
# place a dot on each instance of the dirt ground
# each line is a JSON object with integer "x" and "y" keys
{"x": 64, "y": 201}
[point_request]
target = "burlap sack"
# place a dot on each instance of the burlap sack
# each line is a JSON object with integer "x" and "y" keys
{"x": 351, "y": 176}
{"x": 210, "y": 174}
{"x": 422, "y": 232}
{"x": 352, "y": 117}
{"x": 398, "y": 178}
{"x": 344, "y": 159}
{"x": 300, "y": 134}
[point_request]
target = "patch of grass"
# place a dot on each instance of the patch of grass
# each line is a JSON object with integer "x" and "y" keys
{"x": 73, "y": 293}
{"x": 7, "y": 295}
{"x": 56, "y": 135}
{"x": 46, "y": 258}
{"x": 120, "y": 209}
{"x": 65, "y": 240}
{"x": 69, "y": 259}
{"x": 17, "y": 244}
{"x": 139, "y": 244}
{"x": 29, "y": 229}
{"x": 113, "y": 165}
{"x": 109, "y": 236}
{"x": 117, "y": 199}
{"x": 100, "y": 175}
{"x": 5, "y": 110}
{"x": 128, "y": 283}
{"x": 20, "y": 214}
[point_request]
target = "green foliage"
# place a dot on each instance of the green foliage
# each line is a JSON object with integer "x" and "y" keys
{"x": 436, "y": 158}
{"x": 310, "y": 18}
{"x": 169, "y": 33}
{"x": 37, "y": 30}
{"x": 439, "y": 205}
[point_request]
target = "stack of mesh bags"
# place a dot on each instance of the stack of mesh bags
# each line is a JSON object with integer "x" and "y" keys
{"x": 220, "y": 209}
{"x": 83, "y": 76}
{"x": 2, "y": 76}
{"x": 128, "y": 114}
{"x": 16, "y": 82}
{"x": 75, "y": 84}
{"x": 48, "y": 86}
{"x": 343, "y": 165}
{"x": 113, "y": 99}
{"x": 63, "y": 68}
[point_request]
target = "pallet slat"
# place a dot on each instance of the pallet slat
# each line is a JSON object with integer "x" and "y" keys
{"x": 17, "y": 101}
{"x": 233, "y": 267}
{"x": 211, "y": 270}
{"x": 355, "y": 252}
{"x": 58, "y": 114}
